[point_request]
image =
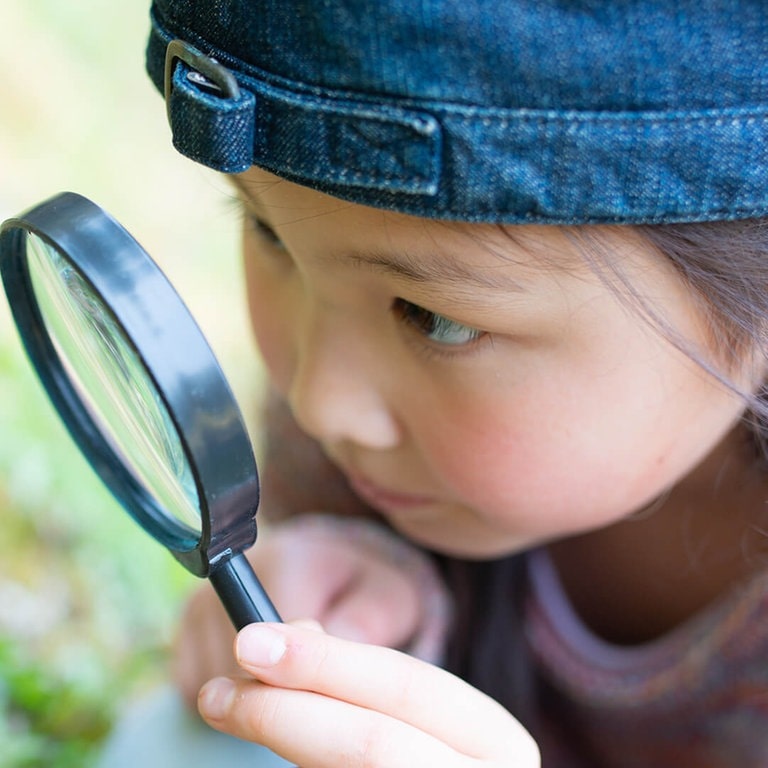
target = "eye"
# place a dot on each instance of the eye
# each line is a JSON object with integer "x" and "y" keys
{"x": 436, "y": 328}
{"x": 265, "y": 232}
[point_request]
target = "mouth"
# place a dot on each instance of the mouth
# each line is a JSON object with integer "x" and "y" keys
{"x": 385, "y": 499}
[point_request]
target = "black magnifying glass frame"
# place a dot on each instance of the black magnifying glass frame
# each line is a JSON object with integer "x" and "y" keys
{"x": 185, "y": 373}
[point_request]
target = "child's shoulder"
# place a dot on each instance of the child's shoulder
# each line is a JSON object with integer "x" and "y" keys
{"x": 703, "y": 683}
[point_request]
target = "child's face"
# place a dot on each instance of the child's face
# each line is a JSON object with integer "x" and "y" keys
{"x": 481, "y": 387}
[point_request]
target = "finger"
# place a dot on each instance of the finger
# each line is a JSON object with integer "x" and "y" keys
{"x": 310, "y": 624}
{"x": 379, "y": 606}
{"x": 316, "y": 731}
{"x": 303, "y": 580}
{"x": 203, "y": 645}
{"x": 379, "y": 679}
{"x": 353, "y": 595}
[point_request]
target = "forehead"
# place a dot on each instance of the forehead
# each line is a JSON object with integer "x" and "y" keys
{"x": 522, "y": 275}
{"x": 378, "y": 236}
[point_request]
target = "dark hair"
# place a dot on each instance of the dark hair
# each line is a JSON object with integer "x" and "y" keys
{"x": 487, "y": 646}
{"x": 726, "y": 266}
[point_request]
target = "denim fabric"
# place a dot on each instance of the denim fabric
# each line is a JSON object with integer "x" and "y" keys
{"x": 519, "y": 111}
{"x": 216, "y": 132}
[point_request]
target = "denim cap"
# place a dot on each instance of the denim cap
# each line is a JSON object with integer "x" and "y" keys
{"x": 517, "y": 111}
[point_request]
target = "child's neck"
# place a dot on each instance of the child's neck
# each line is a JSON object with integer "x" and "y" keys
{"x": 638, "y": 579}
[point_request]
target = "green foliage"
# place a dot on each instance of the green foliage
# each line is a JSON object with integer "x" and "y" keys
{"x": 88, "y": 601}
{"x": 48, "y": 721}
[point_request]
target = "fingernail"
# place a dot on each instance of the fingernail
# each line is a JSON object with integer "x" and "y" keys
{"x": 216, "y": 698}
{"x": 260, "y": 646}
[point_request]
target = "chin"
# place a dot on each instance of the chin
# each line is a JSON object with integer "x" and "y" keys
{"x": 460, "y": 545}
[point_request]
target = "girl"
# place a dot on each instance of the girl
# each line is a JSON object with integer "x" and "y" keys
{"x": 507, "y": 273}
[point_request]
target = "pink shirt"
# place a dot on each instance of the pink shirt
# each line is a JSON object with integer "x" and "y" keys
{"x": 696, "y": 697}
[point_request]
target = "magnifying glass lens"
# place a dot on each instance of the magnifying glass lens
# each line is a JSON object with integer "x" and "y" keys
{"x": 113, "y": 383}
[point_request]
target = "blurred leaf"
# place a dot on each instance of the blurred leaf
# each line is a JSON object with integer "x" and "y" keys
{"x": 47, "y": 721}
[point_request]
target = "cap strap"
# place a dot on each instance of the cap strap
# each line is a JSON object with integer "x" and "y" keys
{"x": 216, "y": 122}
{"x": 212, "y": 119}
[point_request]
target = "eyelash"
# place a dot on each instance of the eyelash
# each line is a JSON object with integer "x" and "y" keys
{"x": 424, "y": 322}
{"x": 265, "y": 232}
{"x": 418, "y": 319}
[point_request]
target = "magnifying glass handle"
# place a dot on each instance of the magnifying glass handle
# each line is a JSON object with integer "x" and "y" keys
{"x": 241, "y": 593}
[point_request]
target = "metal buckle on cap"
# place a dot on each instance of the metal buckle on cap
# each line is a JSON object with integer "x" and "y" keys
{"x": 205, "y": 72}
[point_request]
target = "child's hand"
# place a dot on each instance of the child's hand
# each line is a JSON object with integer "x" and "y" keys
{"x": 354, "y": 585}
{"x": 321, "y": 701}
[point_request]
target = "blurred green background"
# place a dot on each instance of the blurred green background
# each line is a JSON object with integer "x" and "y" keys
{"x": 88, "y": 602}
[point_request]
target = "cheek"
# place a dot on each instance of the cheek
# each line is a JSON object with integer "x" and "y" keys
{"x": 271, "y": 327}
{"x": 563, "y": 455}
{"x": 518, "y": 460}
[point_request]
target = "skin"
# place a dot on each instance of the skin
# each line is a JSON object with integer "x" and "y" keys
{"x": 493, "y": 445}
{"x": 486, "y": 392}
{"x": 360, "y": 705}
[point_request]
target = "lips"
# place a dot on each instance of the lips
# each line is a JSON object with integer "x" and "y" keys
{"x": 383, "y": 498}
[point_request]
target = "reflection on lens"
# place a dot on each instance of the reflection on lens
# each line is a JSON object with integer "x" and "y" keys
{"x": 112, "y": 382}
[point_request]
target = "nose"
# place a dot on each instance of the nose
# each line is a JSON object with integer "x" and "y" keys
{"x": 338, "y": 389}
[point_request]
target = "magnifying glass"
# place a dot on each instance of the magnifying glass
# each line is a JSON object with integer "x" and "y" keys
{"x": 139, "y": 389}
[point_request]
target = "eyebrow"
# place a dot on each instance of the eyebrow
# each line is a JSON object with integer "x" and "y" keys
{"x": 433, "y": 269}
{"x": 416, "y": 269}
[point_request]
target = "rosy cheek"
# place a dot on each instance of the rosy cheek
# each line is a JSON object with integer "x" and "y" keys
{"x": 491, "y": 455}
